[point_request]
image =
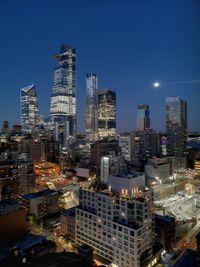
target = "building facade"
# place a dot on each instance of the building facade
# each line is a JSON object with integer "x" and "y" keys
{"x": 165, "y": 231}
{"x": 106, "y": 114}
{"x": 143, "y": 117}
{"x": 16, "y": 178}
{"x": 118, "y": 224}
{"x": 68, "y": 223}
{"x": 91, "y": 116}
{"x": 63, "y": 97}
{"x": 176, "y": 126}
{"x": 13, "y": 222}
{"x": 42, "y": 203}
{"x": 125, "y": 144}
{"x": 29, "y": 108}
{"x": 112, "y": 165}
{"x": 144, "y": 146}
{"x": 103, "y": 148}
{"x": 158, "y": 169}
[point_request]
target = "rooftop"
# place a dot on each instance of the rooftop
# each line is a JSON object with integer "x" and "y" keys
{"x": 139, "y": 196}
{"x": 129, "y": 175}
{"x": 38, "y": 194}
{"x": 59, "y": 259}
{"x": 27, "y": 88}
{"x": 84, "y": 248}
{"x": 32, "y": 195}
{"x": 8, "y": 206}
{"x": 69, "y": 212}
{"x": 48, "y": 191}
{"x": 8, "y": 202}
{"x": 165, "y": 218}
{"x": 29, "y": 240}
{"x": 188, "y": 258}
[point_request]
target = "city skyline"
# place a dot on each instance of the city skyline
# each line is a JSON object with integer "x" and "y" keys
{"x": 166, "y": 53}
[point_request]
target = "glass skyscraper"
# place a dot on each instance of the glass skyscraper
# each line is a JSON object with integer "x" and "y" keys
{"x": 29, "y": 108}
{"x": 106, "y": 114}
{"x": 63, "y": 97}
{"x": 176, "y": 125}
{"x": 143, "y": 117}
{"x": 91, "y": 116}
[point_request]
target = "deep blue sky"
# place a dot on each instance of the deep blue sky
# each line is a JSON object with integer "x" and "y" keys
{"x": 127, "y": 43}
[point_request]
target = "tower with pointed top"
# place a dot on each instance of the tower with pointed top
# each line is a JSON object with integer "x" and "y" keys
{"x": 29, "y": 108}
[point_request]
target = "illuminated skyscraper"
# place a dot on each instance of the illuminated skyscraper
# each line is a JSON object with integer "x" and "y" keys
{"x": 29, "y": 108}
{"x": 125, "y": 143}
{"x": 143, "y": 117}
{"x": 63, "y": 97}
{"x": 176, "y": 125}
{"x": 106, "y": 114}
{"x": 91, "y": 116}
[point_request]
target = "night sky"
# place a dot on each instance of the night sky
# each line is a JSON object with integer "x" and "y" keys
{"x": 128, "y": 43}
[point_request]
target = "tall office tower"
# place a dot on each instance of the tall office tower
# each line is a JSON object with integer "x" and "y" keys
{"x": 144, "y": 145}
{"x": 125, "y": 144}
{"x": 29, "y": 108}
{"x": 106, "y": 114}
{"x": 117, "y": 221}
{"x": 63, "y": 97}
{"x": 91, "y": 116}
{"x": 103, "y": 148}
{"x": 106, "y": 155}
{"x": 143, "y": 117}
{"x": 176, "y": 125}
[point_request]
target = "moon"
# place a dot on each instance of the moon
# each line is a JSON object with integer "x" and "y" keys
{"x": 156, "y": 84}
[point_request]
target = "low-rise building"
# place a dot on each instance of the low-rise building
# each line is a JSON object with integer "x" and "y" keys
{"x": 68, "y": 223}
{"x": 158, "y": 168}
{"x": 26, "y": 251}
{"x": 13, "y": 223}
{"x": 188, "y": 258}
{"x": 41, "y": 203}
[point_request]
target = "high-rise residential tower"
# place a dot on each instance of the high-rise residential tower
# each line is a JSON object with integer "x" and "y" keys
{"x": 106, "y": 114}
{"x": 176, "y": 125}
{"x": 118, "y": 221}
{"x": 91, "y": 116}
{"x": 143, "y": 117}
{"x": 63, "y": 97}
{"x": 29, "y": 108}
